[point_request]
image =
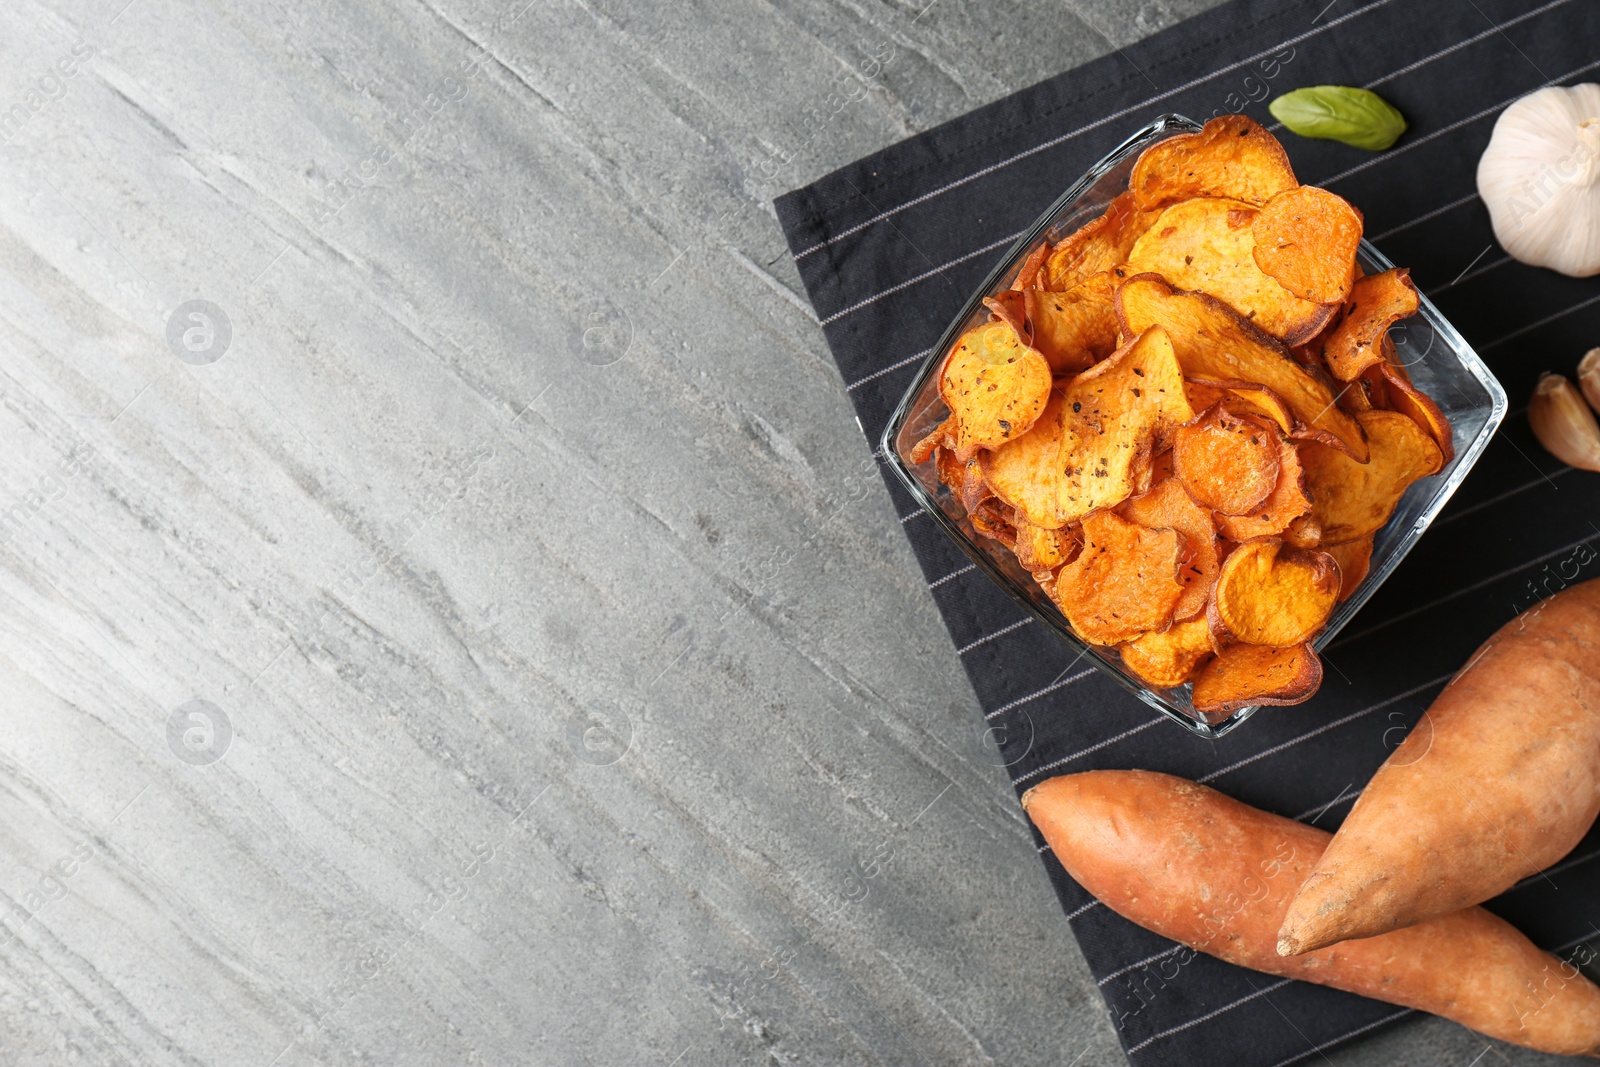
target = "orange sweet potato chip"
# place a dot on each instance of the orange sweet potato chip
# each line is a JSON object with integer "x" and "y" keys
{"x": 1306, "y": 240}
{"x": 1075, "y": 329}
{"x": 1351, "y": 500}
{"x": 1124, "y": 581}
{"x": 1353, "y": 558}
{"x": 1171, "y": 657}
{"x": 1209, "y": 245}
{"x": 1213, "y": 342}
{"x": 943, "y": 436}
{"x": 1011, "y": 308}
{"x": 993, "y": 520}
{"x": 1376, "y": 303}
{"x": 1231, "y": 157}
{"x": 1409, "y": 400}
{"x": 995, "y": 386}
{"x": 1169, "y": 506}
{"x": 1286, "y": 504}
{"x": 1227, "y": 462}
{"x": 1098, "y": 245}
{"x": 1114, "y": 417}
{"x": 1243, "y": 675}
{"x": 1270, "y": 593}
{"x": 1026, "y": 472}
{"x": 1040, "y": 550}
{"x": 1028, "y": 274}
{"x": 964, "y": 477}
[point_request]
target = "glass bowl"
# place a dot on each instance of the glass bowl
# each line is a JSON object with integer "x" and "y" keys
{"x": 1440, "y": 361}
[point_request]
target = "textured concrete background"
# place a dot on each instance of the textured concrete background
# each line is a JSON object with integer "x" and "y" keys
{"x": 566, "y": 692}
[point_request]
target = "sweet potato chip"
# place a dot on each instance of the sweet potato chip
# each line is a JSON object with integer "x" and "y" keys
{"x": 1040, "y": 550}
{"x": 1304, "y": 532}
{"x": 995, "y": 386}
{"x": 1213, "y": 342}
{"x": 1306, "y": 240}
{"x": 1352, "y": 500}
{"x": 1227, "y": 462}
{"x": 1124, "y": 581}
{"x": 1208, "y": 245}
{"x": 1026, "y": 473}
{"x": 1028, "y": 274}
{"x": 1232, "y": 156}
{"x": 1353, "y": 558}
{"x": 1169, "y": 506}
{"x": 1114, "y": 417}
{"x": 1409, "y": 400}
{"x": 993, "y": 520}
{"x": 1170, "y": 658}
{"x": 1243, "y": 675}
{"x": 1096, "y": 246}
{"x": 1270, "y": 593}
{"x": 943, "y": 436}
{"x": 1075, "y": 329}
{"x": 1376, "y": 303}
{"x": 1355, "y": 397}
{"x": 1284, "y": 505}
{"x": 1011, "y": 308}
{"x": 964, "y": 477}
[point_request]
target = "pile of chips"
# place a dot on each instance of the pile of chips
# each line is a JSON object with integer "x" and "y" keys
{"x": 1187, "y": 419}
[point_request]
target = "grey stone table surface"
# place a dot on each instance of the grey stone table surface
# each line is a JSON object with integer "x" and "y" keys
{"x": 450, "y": 615}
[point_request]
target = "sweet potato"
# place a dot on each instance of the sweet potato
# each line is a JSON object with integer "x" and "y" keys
{"x": 1202, "y": 869}
{"x": 1499, "y": 780}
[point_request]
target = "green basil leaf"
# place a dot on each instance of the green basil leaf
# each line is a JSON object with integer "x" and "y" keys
{"x": 1355, "y": 117}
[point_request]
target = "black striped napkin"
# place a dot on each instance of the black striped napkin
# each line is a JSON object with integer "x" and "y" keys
{"x": 888, "y": 248}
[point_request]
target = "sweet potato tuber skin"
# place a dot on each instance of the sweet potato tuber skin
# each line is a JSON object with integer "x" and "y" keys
{"x": 1499, "y": 780}
{"x": 1205, "y": 870}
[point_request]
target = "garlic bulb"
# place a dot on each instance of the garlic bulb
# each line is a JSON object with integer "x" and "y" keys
{"x": 1540, "y": 177}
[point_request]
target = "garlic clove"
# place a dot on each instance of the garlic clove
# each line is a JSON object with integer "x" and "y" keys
{"x": 1563, "y": 423}
{"x": 1589, "y": 377}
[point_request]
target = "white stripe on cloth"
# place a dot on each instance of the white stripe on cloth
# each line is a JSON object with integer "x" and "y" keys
{"x": 924, "y": 276}
{"x": 1435, "y": 213}
{"x": 1208, "y": 1016}
{"x": 1409, "y": 145}
{"x": 1459, "y": 45}
{"x": 1547, "y": 320}
{"x": 1324, "y": 728}
{"x": 1053, "y": 764}
{"x": 892, "y": 367}
{"x": 1147, "y": 961}
{"x": 1357, "y": 1032}
{"x": 937, "y": 582}
{"x": 1079, "y": 911}
{"x": 907, "y": 518}
{"x": 1461, "y": 592}
{"x": 1019, "y": 624}
{"x": 1051, "y": 688}
{"x": 1093, "y": 125}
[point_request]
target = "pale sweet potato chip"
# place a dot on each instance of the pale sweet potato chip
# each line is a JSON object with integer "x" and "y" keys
{"x": 1169, "y": 506}
{"x": 1228, "y": 462}
{"x": 995, "y": 386}
{"x": 1352, "y": 500}
{"x": 1245, "y": 675}
{"x": 1208, "y": 245}
{"x": 1353, "y": 558}
{"x": 1168, "y": 658}
{"x": 1026, "y": 472}
{"x": 1376, "y": 303}
{"x": 1306, "y": 240}
{"x": 1270, "y": 593}
{"x": 1040, "y": 550}
{"x": 1123, "y": 582}
{"x": 1075, "y": 329}
{"x": 1011, "y": 308}
{"x": 1285, "y": 505}
{"x": 1409, "y": 400}
{"x": 1232, "y": 156}
{"x": 1098, "y": 245}
{"x": 1213, "y": 342}
{"x": 1114, "y": 417}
